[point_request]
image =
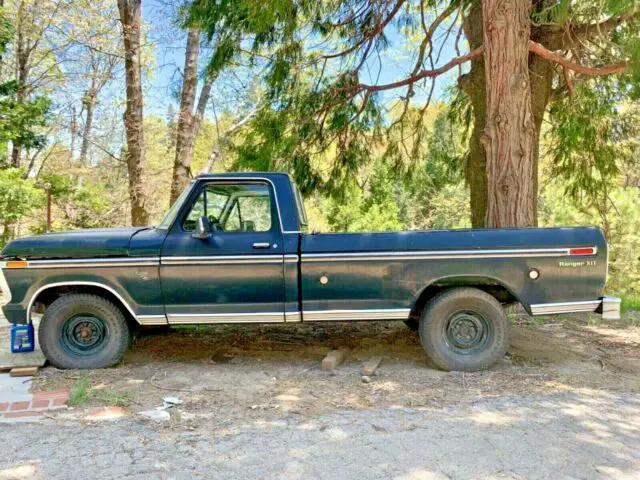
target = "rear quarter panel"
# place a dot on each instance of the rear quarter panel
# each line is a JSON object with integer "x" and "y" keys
{"x": 391, "y": 270}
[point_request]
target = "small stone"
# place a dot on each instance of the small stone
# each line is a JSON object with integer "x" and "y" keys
{"x": 156, "y": 415}
{"x": 171, "y": 401}
{"x": 366, "y": 379}
{"x": 369, "y": 368}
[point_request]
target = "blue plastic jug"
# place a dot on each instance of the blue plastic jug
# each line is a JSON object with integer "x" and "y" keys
{"x": 22, "y": 338}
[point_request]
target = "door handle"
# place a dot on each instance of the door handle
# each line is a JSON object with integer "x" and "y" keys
{"x": 261, "y": 245}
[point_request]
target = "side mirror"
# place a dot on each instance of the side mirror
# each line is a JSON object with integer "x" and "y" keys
{"x": 203, "y": 229}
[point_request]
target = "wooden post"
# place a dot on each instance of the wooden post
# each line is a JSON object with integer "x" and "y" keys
{"x": 48, "y": 208}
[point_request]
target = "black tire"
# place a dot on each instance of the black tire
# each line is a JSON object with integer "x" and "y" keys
{"x": 412, "y": 324}
{"x": 65, "y": 324}
{"x": 464, "y": 329}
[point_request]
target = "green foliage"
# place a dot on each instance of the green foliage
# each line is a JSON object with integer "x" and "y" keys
{"x": 19, "y": 117}
{"x": 590, "y": 137}
{"x": 556, "y": 208}
{"x": 82, "y": 205}
{"x": 17, "y": 195}
{"x": 79, "y": 394}
{"x": 377, "y": 210}
{"x": 6, "y": 31}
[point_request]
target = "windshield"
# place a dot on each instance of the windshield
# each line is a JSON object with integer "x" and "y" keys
{"x": 175, "y": 208}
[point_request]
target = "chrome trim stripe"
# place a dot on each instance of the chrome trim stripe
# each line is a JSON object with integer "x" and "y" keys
{"x": 93, "y": 284}
{"x": 292, "y": 317}
{"x": 152, "y": 319}
{"x": 4, "y": 286}
{"x": 376, "y": 314}
{"x": 291, "y": 258}
{"x": 222, "y": 259}
{"x": 565, "y": 307}
{"x": 155, "y": 261}
{"x": 435, "y": 254}
{"x": 96, "y": 262}
{"x": 266, "y": 317}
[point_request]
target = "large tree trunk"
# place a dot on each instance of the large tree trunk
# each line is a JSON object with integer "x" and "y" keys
{"x": 541, "y": 75}
{"x": 509, "y": 131}
{"x": 473, "y": 84}
{"x": 188, "y": 123}
{"x": 184, "y": 145}
{"x": 133, "y": 116}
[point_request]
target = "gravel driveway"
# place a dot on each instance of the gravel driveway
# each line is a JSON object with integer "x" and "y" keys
{"x": 566, "y": 435}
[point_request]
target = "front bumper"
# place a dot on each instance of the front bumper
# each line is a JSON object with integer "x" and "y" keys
{"x": 608, "y": 307}
{"x": 15, "y": 314}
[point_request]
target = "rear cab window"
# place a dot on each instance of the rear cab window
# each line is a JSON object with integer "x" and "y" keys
{"x": 302, "y": 214}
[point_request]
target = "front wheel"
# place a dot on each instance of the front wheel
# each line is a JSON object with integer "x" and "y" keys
{"x": 83, "y": 331}
{"x": 464, "y": 329}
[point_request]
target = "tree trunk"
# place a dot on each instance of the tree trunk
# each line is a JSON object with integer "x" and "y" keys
{"x": 89, "y": 103}
{"x": 133, "y": 116}
{"x": 184, "y": 142}
{"x": 73, "y": 132}
{"x": 22, "y": 63}
{"x": 473, "y": 84}
{"x": 509, "y": 131}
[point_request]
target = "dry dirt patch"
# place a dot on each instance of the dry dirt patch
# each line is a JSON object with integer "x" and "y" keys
{"x": 263, "y": 370}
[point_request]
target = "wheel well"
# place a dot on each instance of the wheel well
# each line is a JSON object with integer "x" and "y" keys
{"x": 50, "y": 295}
{"x": 496, "y": 290}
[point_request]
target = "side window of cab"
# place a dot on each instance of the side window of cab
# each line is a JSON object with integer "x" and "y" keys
{"x": 232, "y": 207}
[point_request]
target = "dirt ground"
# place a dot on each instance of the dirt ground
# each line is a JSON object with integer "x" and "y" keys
{"x": 563, "y": 404}
{"x": 227, "y": 372}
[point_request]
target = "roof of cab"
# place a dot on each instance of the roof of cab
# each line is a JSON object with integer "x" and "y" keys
{"x": 244, "y": 175}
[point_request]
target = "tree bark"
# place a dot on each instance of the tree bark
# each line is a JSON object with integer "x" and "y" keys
{"x": 541, "y": 74}
{"x": 133, "y": 116}
{"x": 509, "y": 131}
{"x": 22, "y": 71}
{"x": 89, "y": 101}
{"x": 188, "y": 125}
{"x": 473, "y": 84}
{"x": 73, "y": 132}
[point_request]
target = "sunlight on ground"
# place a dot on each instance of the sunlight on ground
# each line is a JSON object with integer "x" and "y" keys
{"x": 19, "y": 472}
{"x": 420, "y": 474}
{"x": 492, "y": 418}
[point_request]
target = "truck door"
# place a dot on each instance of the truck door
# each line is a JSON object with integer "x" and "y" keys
{"x": 235, "y": 275}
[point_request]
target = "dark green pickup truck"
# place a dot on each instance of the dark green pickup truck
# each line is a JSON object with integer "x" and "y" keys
{"x": 234, "y": 248}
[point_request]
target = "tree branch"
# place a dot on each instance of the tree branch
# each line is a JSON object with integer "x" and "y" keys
{"x": 369, "y": 36}
{"x": 419, "y": 76}
{"x": 586, "y": 30}
{"x": 541, "y": 51}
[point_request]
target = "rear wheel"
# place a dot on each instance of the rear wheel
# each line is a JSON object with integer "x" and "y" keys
{"x": 83, "y": 331}
{"x": 464, "y": 329}
{"x": 412, "y": 324}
